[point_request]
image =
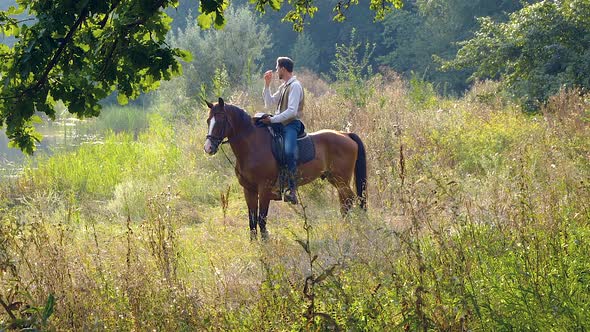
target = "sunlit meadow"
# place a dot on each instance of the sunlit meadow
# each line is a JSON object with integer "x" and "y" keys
{"x": 478, "y": 220}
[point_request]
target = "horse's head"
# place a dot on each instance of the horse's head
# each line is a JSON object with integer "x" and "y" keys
{"x": 218, "y": 124}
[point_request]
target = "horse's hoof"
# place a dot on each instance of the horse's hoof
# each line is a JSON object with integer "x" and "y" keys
{"x": 264, "y": 234}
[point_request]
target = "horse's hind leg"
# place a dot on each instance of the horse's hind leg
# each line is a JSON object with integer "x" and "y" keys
{"x": 252, "y": 201}
{"x": 345, "y": 194}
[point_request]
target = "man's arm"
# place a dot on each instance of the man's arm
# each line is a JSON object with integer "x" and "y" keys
{"x": 270, "y": 100}
{"x": 292, "y": 107}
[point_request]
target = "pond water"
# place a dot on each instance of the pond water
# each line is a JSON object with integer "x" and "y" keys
{"x": 64, "y": 134}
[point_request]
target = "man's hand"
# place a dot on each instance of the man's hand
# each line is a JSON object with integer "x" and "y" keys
{"x": 267, "y": 77}
{"x": 266, "y": 120}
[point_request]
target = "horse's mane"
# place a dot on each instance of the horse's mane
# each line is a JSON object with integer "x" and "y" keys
{"x": 242, "y": 116}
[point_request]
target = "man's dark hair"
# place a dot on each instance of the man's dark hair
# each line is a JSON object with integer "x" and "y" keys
{"x": 286, "y": 63}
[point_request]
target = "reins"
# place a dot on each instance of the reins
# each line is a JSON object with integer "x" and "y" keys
{"x": 233, "y": 139}
{"x": 229, "y": 139}
{"x": 226, "y": 157}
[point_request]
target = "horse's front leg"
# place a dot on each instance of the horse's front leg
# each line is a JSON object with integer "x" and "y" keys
{"x": 264, "y": 202}
{"x": 252, "y": 201}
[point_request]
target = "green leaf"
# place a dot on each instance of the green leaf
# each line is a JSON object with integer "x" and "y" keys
{"x": 15, "y": 10}
{"x": 219, "y": 21}
{"x": 48, "y": 309}
{"x": 186, "y": 56}
{"x": 36, "y": 119}
{"x": 122, "y": 99}
{"x": 84, "y": 47}
{"x": 204, "y": 21}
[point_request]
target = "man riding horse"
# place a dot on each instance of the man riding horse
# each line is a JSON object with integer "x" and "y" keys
{"x": 335, "y": 156}
{"x": 289, "y": 101}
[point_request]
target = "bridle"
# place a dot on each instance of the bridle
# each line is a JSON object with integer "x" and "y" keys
{"x": 216, "y": 141}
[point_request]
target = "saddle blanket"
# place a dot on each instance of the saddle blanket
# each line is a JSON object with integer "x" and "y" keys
{"x": 305, "y": 149}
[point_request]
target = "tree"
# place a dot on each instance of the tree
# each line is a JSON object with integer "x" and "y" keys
{"x": 305, "y": 53}
{"x": 541, "y": 49}
{"x": 238, "y": 48}
{"x": 425, "y": 28}
{"x": 81, "y": 51}
{"x": 352, "y": 69}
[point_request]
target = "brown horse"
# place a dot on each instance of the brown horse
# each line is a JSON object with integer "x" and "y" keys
{"x": 338, "y": 156}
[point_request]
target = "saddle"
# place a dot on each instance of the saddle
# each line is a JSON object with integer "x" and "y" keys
{"x": 305, "y": 148}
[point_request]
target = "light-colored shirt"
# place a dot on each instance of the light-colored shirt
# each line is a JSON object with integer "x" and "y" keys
{"x": 272, "y": 100}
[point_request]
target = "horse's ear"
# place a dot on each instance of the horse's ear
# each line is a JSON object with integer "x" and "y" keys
{"x": 206, "y": 102}
{"x": 221, "y": 102}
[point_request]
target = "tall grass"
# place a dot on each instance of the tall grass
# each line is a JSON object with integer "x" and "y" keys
{"x": 478, "y": 220}
{"x": 117, "y": 119}
{"x": 96, "y": 168}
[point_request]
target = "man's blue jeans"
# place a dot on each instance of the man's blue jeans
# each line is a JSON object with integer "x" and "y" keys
{"x": 290, "y": 132}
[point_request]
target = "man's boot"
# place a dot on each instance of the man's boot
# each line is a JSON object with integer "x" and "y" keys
{"x": 291, "y": 195}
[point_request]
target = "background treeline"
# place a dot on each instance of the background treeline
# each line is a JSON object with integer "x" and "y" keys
{"x": 535, "y": 48}
{"x": 405, "y": 41}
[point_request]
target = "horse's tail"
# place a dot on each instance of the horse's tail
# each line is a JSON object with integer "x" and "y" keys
{"x": 360, "y": 171}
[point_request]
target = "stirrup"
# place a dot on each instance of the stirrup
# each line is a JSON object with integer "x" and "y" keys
{"x": 276, "y": 196}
